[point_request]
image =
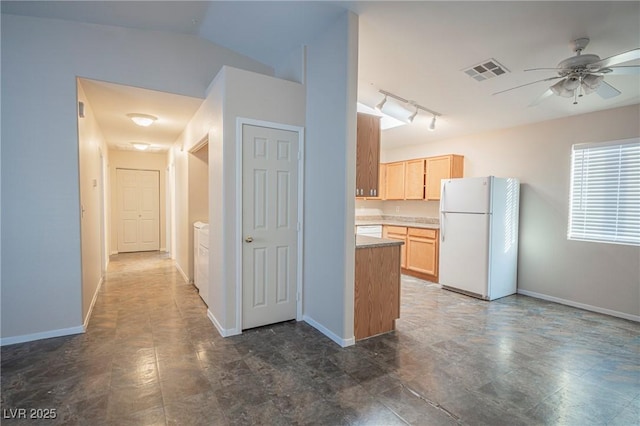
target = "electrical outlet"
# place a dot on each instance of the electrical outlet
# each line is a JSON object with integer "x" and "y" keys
{"x": 397, "y": 209}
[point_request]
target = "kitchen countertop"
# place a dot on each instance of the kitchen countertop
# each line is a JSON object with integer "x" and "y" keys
{"x": 395, "y": 222}
{"x": 364, "y": 241}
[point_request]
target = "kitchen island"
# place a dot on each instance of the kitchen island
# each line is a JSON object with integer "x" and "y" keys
{"x": 377, "y": 286}
{"x": 419, "y": 256}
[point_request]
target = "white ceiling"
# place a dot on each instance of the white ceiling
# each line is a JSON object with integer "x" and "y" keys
{"x": 413, "y": 49}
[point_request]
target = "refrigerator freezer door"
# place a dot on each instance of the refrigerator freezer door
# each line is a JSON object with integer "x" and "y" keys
{"x": 464, "y": 252}
{"x": 466, "y": 195}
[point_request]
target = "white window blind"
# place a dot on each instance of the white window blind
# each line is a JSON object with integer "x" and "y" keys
{"x": 605, "y": 192}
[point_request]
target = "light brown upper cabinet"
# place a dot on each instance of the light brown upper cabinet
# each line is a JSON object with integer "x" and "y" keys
{"x": 405, "y": 180}
{"x": 414, "y": 179}
{"x": 394, "y": 182}
{"x": 438, "y": 168}
{"x": 367, "y": 155}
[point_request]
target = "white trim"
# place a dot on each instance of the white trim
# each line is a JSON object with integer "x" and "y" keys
{"x": 224, "y": 332}
{"x": 93, "y": 302}
{"x": 200, "y": 144}
{"x": 114, "y": 252}
{"x": 241, "y": 121}
{"x": 42, "y": 335}
{"x": 184, "y": 276}
{"x": 584, "y": 306}
{"x": 331, "y": 335}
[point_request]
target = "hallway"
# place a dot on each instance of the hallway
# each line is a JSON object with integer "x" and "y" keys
{"x": 151, "y": 357}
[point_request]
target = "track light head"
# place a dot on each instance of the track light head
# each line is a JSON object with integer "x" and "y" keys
{"x": 381, "y": 104}
{"x": 432, "y": 126}
{"x": 412, "y": 116}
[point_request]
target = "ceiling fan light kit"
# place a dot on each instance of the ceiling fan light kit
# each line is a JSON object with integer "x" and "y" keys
{"x": 583, "y": 74}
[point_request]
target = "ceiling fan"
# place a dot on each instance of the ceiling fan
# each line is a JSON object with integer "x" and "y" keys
{"x": 583, "y": 74}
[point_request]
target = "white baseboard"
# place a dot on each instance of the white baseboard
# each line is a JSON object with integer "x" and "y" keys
{"x": 580, "y": 305}
{"x": 224, "y": 332}
{"x": 42, "y": 335}
{"x": 184, "y": 276}
{"x": 331, "y": 335}
{"x": 93, "y": 302}
{"x": 114, "y": 252}
{"x": 163, "y": 249}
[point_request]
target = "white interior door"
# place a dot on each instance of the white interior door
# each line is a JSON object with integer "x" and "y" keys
{"x": 138, "y": 194}
{"x": 269, "y": 225}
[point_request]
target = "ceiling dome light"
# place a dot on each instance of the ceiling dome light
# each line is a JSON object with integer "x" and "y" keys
{"x": 140, "y": 146}
{"x": 143, "y": 120}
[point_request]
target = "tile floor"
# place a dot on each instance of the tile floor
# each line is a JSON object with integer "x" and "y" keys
{"x": 150, "y": 356}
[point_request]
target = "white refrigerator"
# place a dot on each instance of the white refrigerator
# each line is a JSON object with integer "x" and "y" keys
{"x": 479, "y": 236}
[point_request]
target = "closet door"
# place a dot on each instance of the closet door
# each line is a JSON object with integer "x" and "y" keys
{"x": 138, "y": 194}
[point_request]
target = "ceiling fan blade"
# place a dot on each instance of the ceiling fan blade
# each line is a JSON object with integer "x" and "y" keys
{"x": 544, "y": 69}
{"x": 528, "y": 84}
{"x": 546, "y": 95}
{"x": 607, "y": 91}
{"x": 617, "y": 59}
{"x": 624, "y": 70}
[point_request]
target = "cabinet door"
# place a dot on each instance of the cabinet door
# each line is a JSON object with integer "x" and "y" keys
{"x": 397, "y": 233}
{"x": 422, "y": 253}
{"x": 414, "y": 180}
{"x": 394, "y": 188}
{"x": 438, "y": 168}
{"x": 367, "y": 155}
{"x": 382, "y": 175}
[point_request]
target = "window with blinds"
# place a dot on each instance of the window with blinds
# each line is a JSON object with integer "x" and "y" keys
{"x": 605, "y": 192}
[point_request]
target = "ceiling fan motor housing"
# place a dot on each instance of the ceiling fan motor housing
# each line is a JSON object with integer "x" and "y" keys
{"x": 578, "y": 64}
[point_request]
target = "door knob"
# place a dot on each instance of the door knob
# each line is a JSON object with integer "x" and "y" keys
{"x": 249, "y": 239}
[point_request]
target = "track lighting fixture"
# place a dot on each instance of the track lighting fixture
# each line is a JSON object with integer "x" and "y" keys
{"x": 381, "y": 104}
{"x": 403, "y": 110}
{"x": 412, "y": 116}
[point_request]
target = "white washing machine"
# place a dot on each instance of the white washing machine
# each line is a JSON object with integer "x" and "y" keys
{"x": 201, "y": 259}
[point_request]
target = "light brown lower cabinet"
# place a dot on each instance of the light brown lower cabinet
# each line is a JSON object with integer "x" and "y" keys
{"x": 422, "y": 251}
{"x": 397, "y": 233}
{"x": 419, "y": 256}
{"x": 377, "y": 290}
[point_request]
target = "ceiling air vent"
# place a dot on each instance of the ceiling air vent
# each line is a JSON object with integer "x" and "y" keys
{"x": 486, "y": 70}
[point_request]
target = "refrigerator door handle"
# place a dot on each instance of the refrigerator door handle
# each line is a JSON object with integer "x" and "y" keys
{"x": 442, "y": 194}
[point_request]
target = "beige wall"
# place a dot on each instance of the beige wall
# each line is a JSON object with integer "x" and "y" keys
{"x": 603, "y": 277}
{"x": 203, "y": 124}
{"x": 141, "y": 161}
{"x": 93, "y": 153}
{"x": 239, "y": 94}
{"x": 198, "y": 183}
